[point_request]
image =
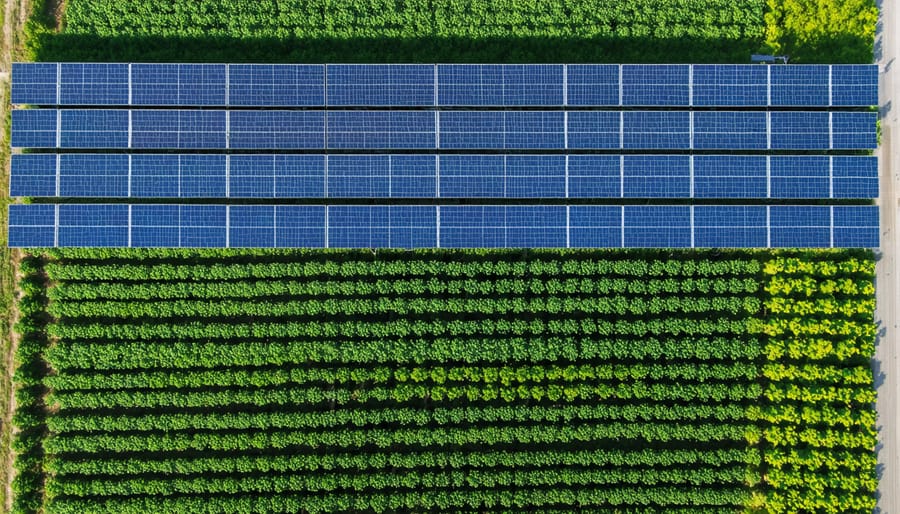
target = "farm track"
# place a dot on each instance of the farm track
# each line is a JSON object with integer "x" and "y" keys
{"x": 887, "y": 364}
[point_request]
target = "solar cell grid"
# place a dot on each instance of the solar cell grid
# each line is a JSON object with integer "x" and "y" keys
{"x": 594, "y": 176}
{"x": 799, "y": 85}
{"x": 276, "y": 85}
{"x": 730, "y": 85}
{"x": 854, "y": 85}
{"x": 178, "y": 84}
{"x": 93, "y": 128}
{"x": 34, "y": 128}
{"x": 731, "y": 226}
{"x": 599, "y": 130}
{"x": 800, "y": 176}
{"x": 101, "y": 225}
{"x": 665, "y": 226}
{"x": 592, "y": 84}
{"x": 854, "y": 130}
{"x": 799, "y": 130}
{"x": 855, "y": 226}
{"x": 93, "y": 175}
{"x": 805, "y": 226}
{"x": 32, "y": 175}
{"x": 595, "y": 226}
{"x": 652, "y": 130}
{"x": 730, "y": 176}
{"x": 369, "y": 85}
{"x": 34, "y": 83}
{"x": 655, "y": 84}
{"x": 729, "y": 130}
{"x": 656, "y": 176}
{"x": 93, "y": 84}
{"x": 854, "y": 177}
{"x": 386, "y": 130}
{"x": 276, "y": 130}
{"x": 32, "y": 225}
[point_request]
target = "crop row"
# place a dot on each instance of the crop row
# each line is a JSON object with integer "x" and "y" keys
{"x": 399, "y": 416}
{"x": 379, "y": 269}
{"x": 567, "y": 287}
{"x": 482, "y": 458}
{"x": 123, "y": 355}
{"x": 404, "y": 329}
{"x": 458, "y": 480}
{"x": 420, "y": 437}
{"x": 578, "y": 497}
{"x": 432, "y": 307}
{"x": 505, "y": 375}
{"x": 291, "y": 395}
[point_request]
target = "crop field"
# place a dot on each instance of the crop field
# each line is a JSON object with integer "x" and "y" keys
{"x": 320, "y": 382}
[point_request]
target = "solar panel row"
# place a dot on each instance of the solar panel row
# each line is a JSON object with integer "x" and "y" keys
{"x": 119, "y": 225}
{"x": 422, "y": 130}
{"x": 442, "y": 176}
{"x": 292, "y": 85}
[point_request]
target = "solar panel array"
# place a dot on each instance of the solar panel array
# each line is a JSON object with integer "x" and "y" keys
{"x": 477, "y": 133}
{"x": 512, "y": 176}
{"x": 444, "y": 85}
{"x": 186, "y": 129}
{"x": 429, "y": 226}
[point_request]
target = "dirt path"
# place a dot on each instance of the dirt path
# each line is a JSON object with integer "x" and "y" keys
{"x": 15, "y": 13}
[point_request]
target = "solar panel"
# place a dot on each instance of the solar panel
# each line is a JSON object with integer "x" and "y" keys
{"x": 800, "y": 176}
{"x": 473, "y": 176}
{"x": 94, "y": 128}
{"x": 299, "y": 176}
{"x": 731, "y": 226}
{"x": 855, "y": 226}
{"x": 534, "y": 130}
{"x": 536, "y": 226}
{"x": 172, "y": 175}
{"x": 34, "y": 83}
{"x": 251, "y": 226}
{"x": 412, "y": 226}
{"x": 655, "y": 84}
{"x": 300, "y": 226}
{"x": 32, "y": 225}
{"x": 535, "y": 176}
{"x": 413, "y": 176}
{"x": 358, "y": 226}
{"x": 359, "y": 176}
{"x": 203, "y": 226}
{"x": 93, "y": 175}
{"x": 156, "y": 226}
{"x": 91, "y": 225}
{"x": 657, "y": 226}
{"x": 718, "y": 85}
{"x": 600, "y": 130}
{"x": 155, "y": 176}
{"x": 595, "y": 226}
{"x": 371, "y": 85}
{"x": 93, "y": 84}
{"x": 854, "y": 85}
{"x": 500, "y": 84}
{"x": 32, "y": 175}
{"x": 276, "y": 85}
{"x": 178, "y": 129}
{"x": 854, "y": 176}
{"x": 593, "y": 85}
{"x": 807, "y": 226}
{"x": 178, "y": 84}
{"x": 472, "y": 226}
{"x": 656, "y": 176}
{"x": 724, "y": 130}
{"x": 364, "y": 130}
{"x": 33, "y": 128}
{"x": 651, "y": 130}
{"x": 277, "y": 130}
{"x": 854, "y": 130}
{"x": 799, "y": 85}
{"x": 730, "y": 176}
{"x": 594, "y": 176}
{"x": 799, "y": 130}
